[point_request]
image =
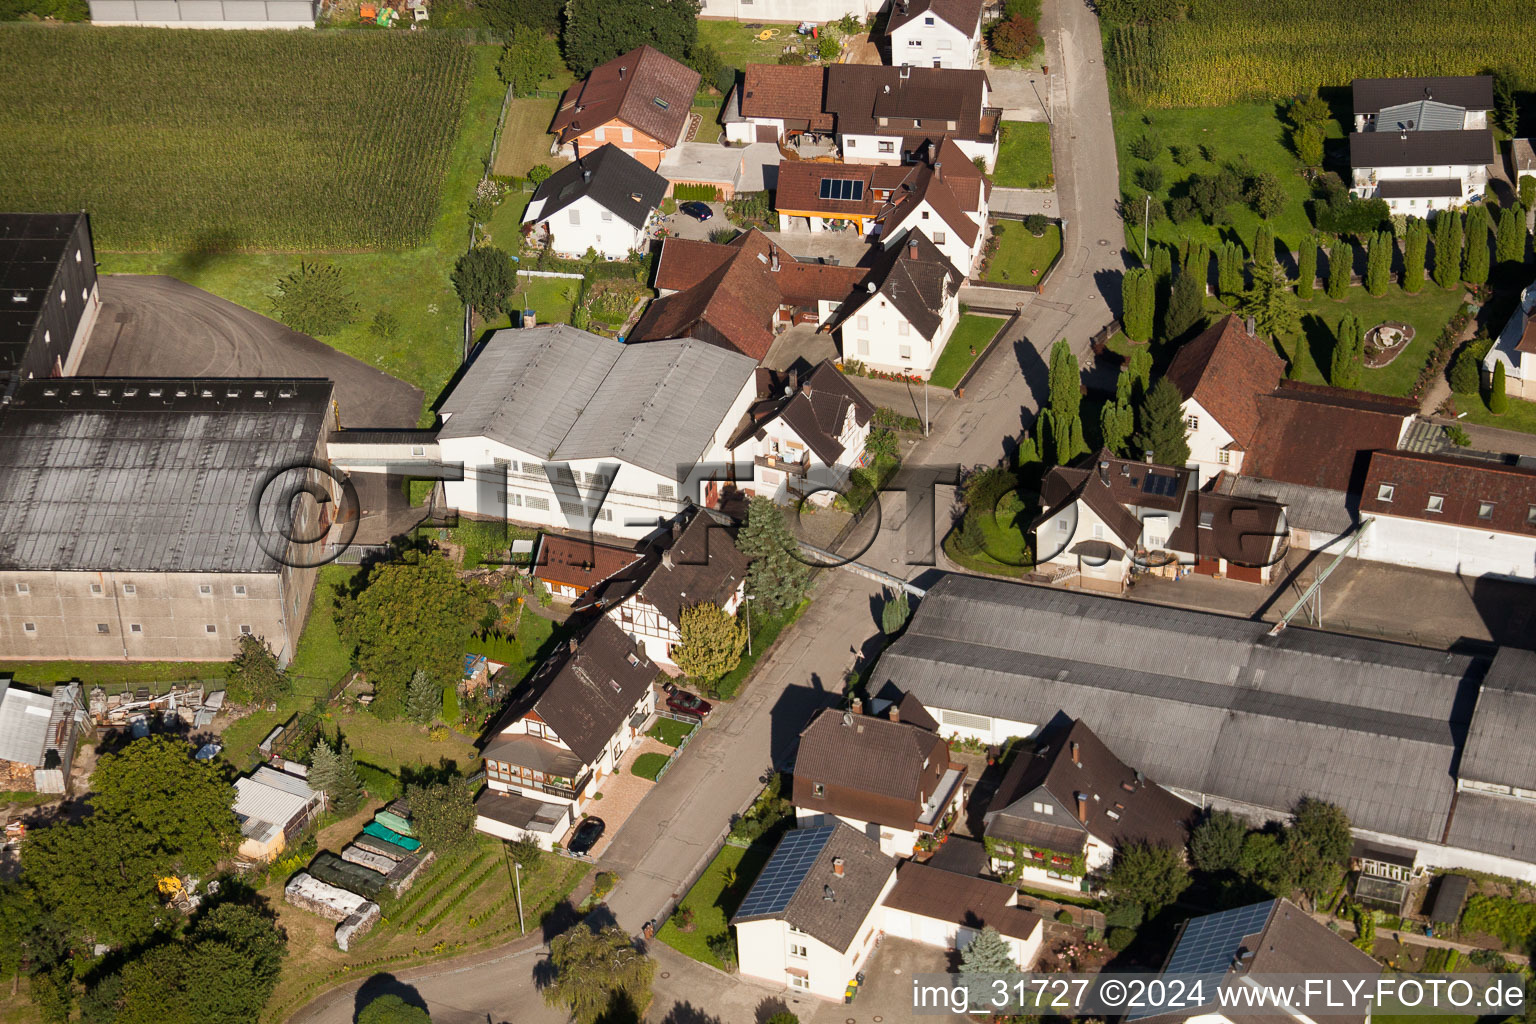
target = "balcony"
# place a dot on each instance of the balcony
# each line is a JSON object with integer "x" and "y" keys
{"x": 991, "y": 117}
{"x": 799, "y": 468}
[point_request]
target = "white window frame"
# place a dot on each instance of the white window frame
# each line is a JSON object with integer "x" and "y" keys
{"x": 97, "y": 590}
{"x": 130, "y": 590}
{"x": 1384, "y": 492}
{"x": 205, "y": 590}
{"x": 135, "y": 627}
{"x": 239, "y": 590}
{"x": 23, "y": 589}
{"x": 29, "y": 628}
{"x": 1436, "y": 503}
{"x": 210, "y": 629}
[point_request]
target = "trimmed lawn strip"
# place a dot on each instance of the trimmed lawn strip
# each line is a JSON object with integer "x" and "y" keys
{"x": 648, "y": 766}
{"x": 971, "y": 337}
{"x": 113, "y": 677}
{"x": 669, "y": 731}
{"x": 1521, "y": 415}
{"x": 1024, "y": 156}
{"x": 709, "y": 123}
{"x": 1020, "y": 257}
{"x": 713, "y": 903}
{"x": 739, "y": 46}
{"x": 765, "y": 630}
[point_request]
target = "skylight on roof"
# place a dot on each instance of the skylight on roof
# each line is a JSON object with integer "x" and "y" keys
{"x": 663, "y": 104}
{"x": 842, "y": 188}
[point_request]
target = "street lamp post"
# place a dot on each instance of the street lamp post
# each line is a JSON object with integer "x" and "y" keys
{"x": 746, "y": 600}
{"x": 517, "y": 874}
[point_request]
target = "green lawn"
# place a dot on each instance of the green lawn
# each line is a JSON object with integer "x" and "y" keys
{"x": 709, "y": 122}
{"x": 669, "y": 731}
{"x": 505, "y": 228}
{"x": 114, "y": 677}
{"x": 1005, "y": 539}
{"x": 1024, "y": 157}
{"x": 972, "y": 336}
{"x": 713, "y": 903}
{"x": 648, "y": 766}
{"x": 765, "y": 630}
{"x": 739, "y": 46}
{"x": 1521, "y": 415}
{"x": 1428, "y": 312}
{"x": 1020, "y": 257}
{"x": 1250, "y": 134}
{"x": 397, "y": 744}
{"x": 412, "y": 284}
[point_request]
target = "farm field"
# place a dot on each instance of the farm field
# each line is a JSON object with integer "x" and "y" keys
{"x": 228, "y": 141}
{"x": 1231, "y": 53}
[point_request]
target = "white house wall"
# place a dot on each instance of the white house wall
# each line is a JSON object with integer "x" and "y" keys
{"x": 586, "y": 224}
{"x": 873, "y": 336}
{"x": 1075, "y": 525}
{"x": 1445, "y": 547}
{"x": 788, "y": 10}
{"x": 1206, "y": 441}
{"x": 763, "y": 952}
{"x": 939, "y": 44}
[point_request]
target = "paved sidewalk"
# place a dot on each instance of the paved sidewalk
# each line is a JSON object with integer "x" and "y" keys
{"x": 1021, "y": 202}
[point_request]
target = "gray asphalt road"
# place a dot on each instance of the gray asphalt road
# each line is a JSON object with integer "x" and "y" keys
{"x": 153, "y": 326}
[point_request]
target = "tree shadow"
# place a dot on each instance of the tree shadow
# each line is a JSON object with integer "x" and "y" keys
{"x": 206, "y": 248}
{"x": 1319, "y": 340}
{"x": 768, "y": 1008}
{"x": 560, "y": 918}
{"x": 687, "y": 1013}
{"x": 386, "y": 985}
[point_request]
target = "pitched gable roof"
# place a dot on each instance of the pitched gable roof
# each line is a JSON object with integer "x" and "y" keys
{"x": 829, "y": 906}
{"x": 786, "y": 92}
{"x": 919, "y": 281}
{"x": 1121, "y": 804}
{"x": 1226, "y": 369}
{"x": 643, "y": 88}
{"x": 931, "y": 184}
{"x": 1470, "y": 148}
{"x": 964, "y": 15}
{"x": 579, "y": 561}
{"x": 1112, "y": 487}
{"x": 859, "y": 95}
{"x": 1322, "y": 437}
{"x": 1473, "y": 92}
{"x": 585, "y": 690}
{"x": 818, "y": 410}
{"x": 608, "y": 176}
{"x": 932, "y": 892}
{"x": 869, "y": 768}
{"x": 1463, "y": 486}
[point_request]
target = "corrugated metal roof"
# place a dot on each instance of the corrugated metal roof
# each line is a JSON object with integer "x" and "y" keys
{"x": 561, "y": 394}
{"x": 150, "y": 475}
{"x": 1203, "y": 702}
{"x": 1420, "y": 116}
{"x": 269, "y": 796}
{"x": 1499, "y": 748}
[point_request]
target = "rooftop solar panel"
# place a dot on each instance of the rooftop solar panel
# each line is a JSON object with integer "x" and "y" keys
{"x": 842, "y": 188}
{"x": 784, "y": 872}
{"x": 1209, "y": 943}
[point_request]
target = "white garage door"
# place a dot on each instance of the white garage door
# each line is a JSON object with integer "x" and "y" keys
{"x": 898, "y": 923}
{"x": 935, "y": 933}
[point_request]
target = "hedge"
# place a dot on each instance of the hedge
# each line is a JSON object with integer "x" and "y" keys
{"x": 702, "y": 193}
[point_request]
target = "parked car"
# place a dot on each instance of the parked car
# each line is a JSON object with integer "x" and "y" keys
{"x": 684, "y": 703}
{"x": 587, "y": 834}
{"x": 697, "y": 210}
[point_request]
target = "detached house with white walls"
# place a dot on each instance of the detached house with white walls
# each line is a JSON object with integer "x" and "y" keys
{"x": 811, "y": 919}
{"x": 805, "y": 435}
{"x": 564, "y": 730}
{"x": 1063, "y": 809}
{"x": 693, "y": 561}
{"x": 1516, "y": 349}
{"x": 935, "y": 33}
{"x": 639, "y": 101}
{"x": 892, "y": 780}
{"x": 555, "y": 427}
{"x": 1421, "y": 144}
{"x": 604, "y": 201}
{"x": 906, "y": 318}
{"x": 1221, "y": 373}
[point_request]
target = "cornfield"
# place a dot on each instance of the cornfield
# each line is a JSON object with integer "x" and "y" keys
{"x": 176, "y": 140}
{"x": 1234, "y": 52}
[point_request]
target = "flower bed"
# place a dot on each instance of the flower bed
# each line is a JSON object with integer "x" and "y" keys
{"x": 1385, "y": 342}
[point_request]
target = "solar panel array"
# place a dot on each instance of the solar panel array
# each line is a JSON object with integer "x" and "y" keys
{"x": 785, "y": 870}
{"x": 1209, "y": 943}
{"x": 1161, "y": 484}
{"x": 842, "y": 188}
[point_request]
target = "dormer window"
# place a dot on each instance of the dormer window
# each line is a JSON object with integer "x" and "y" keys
{"x": 1385, "y": 492}
{"x": 1485, "y": 510}
{"x": 1436, "y": 503}
{"x": 818, "y": 790}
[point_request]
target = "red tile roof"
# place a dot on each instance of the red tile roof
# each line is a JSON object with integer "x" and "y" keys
{"x": 1322, "y": 437}
{"x": 787, "y": 92}
{"x": 643, "y": 88}
{"x": 1226, "y": 370}
{"x": 579, "y": 562}
{"x": 937, "y": 188}
{"x": 1463, "y": 486}
{"x": 799, "y": 188}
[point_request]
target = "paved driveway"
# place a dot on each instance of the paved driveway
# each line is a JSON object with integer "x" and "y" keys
{"x": 152, "y": 326}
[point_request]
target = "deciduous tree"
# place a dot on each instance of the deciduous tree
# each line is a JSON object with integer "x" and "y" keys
{"x": 254, "y": 676}
{"x": 594, "y": 969}
{"x": 596, "y": 31}
{"x": 777, "y": 578}
{"x": 712, "y": 642}
{"x": 483, "y": 278}
{"x": 1014, "y": 38}
{"x": 442, "y": 813}
{"x": 1217, "y": 842}
{"x": 529, "y": 57}
{"x": 1163, "y": 430}
{"x": 1153, "y": 876}
{"x": 391, "y": 1009}
{"x": 183, "y": 805}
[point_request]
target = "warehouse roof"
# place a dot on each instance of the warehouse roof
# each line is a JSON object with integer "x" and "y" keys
{"x": 560, "y": 394}
{"x": 1372, "y": 726}
{"x": 1475, "y": 494}
{"x": 1498, "y": 744}
{"x": 133, "y": 474}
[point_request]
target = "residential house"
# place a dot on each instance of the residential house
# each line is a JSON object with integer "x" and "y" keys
{"x": 778, "y": 103}
{"x": 834, "y": 197}
{"x": 603, "y": 201}
{"x": 891, "y": 780}
{"x": 1515, "y": 348}
{"x": 941, "y": 908}
{"x": 1221, "y": 373}
{"x": 811, "y": 918}
{"x": 993, "y": 660}
{"x": 1272, "y": 938}
{"x": 563, "y": 731}
{"x": 562, "y": 429}
{"x": 206, "y": 14}
{"x": 1065, "y": 807}
{"x": 742, "y": 296}
{"x": 639, "y": 101}
{"x": 1421, "y": 144}
{"x": 693, "y": 561}
{"x": 805, "y": 435}
{"x": 937, "y": 33}
{"x": 570, "y": 566}
{"x": 48, "y": 275}
{"x": 1472, "y": 517}
{"x": 38, "y": 736}
{"x": 273, "y": 807}
{"x": 911, "y": 308}
{"x": 130, "y": 531}
{"x": 1105, "y": 520}
{"x": 794, "y": 11}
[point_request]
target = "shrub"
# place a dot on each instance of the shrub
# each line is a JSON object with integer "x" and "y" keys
{"x": 1146, "y": 147}
{"x": 1063, "y": 916}
{"x": 1036, "y": 223}
{"x": 828, "y": 48}
{"x": 1181, "y": 209}
{"x": 699, "y": 193}
{"x": 794, "y": 58}
{"x": 603, "y": 883}
{"x": 1014, "y": 38}
{"x": 725, "y": 78}
{"x": 1150, "y": 177}
{"x": 1119, "y": 938}
{"x": 314, "y": 299}
{"x": 1124, "y": 915}
{"x": 722, "y": 236}
{"x": 1465, "y": 376}
{"x": 1498, "y": 399}
{"x": 538, "y": 172}
{"x": 1183, "y": 155}
{"x": 378, "y": 782}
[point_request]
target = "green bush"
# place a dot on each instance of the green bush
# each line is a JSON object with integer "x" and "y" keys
{"x": 496, "y": 646}
{"x": 1119, "y": 938}
{"x": 1124, "y": 915}
{"x": 890, "y": 419}
{"x": 1063, "y": 917}
{"x": 603, "y": 883}
{"x": 698, "y": 193}
{"x": 1511, "y": 921}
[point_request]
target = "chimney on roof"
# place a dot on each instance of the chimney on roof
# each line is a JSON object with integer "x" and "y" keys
{"x": 1082, "y": 808}
{"x": 1077, "y": 756}
{"x": 837, "y": 866}
{"x": 572, "y": 645}
{"x": 912, "y": 249}
{"x": 1249, "y": 325}
{"x": 856, "y": 706}
{"x": 894, "y": 712}
{"x": 773, "y": 261}
{"x": 666, "y": 559}
{"x": 1146, "y": 457}
{"x": 1103, "y": 479}
{"x": 622, "y": 69}
{"x": 938, "y": 169}
{"x": 794, "y": 379}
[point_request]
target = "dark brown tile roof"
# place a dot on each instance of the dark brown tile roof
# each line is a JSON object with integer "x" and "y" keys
{"x": 1415, "y": 188}
{"x": 957, "y": 899}
{"x": 917, "y": 102}
{"x": 585, "y": 690}
{"x": 964, "y": 15}
{"x": 1111, "y": 486}
{"x": 787, "y": 92}
{"x": 1462, "y": 484}
{"x": 872, "y": 769}
{"x": 579, "y": 561}
{"x": 816, "y": 411}
{"x": 827, "y": 905}
{"x": 685, "y": 262}
{"x": 1226, "y": 369}
{"x": 918, "y": 282}
{"x": 937, "y": 187}
{"x": 694, "y": 564}
{"x": 515, "y": 809}
{"x": 1243, "y": 530}
{"x": 1122, "y": 805}
{"x": 799, "y": 188}
{"x": 643, "y": 88}
{"x": 1472, "y": 147}
{"x": 1474, "y": 92}
{"x": 1322, "y": 437}
{"x": 1527, "y": 342}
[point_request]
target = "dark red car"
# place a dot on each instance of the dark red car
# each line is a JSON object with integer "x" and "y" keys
{"x": 682, "y": 702}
